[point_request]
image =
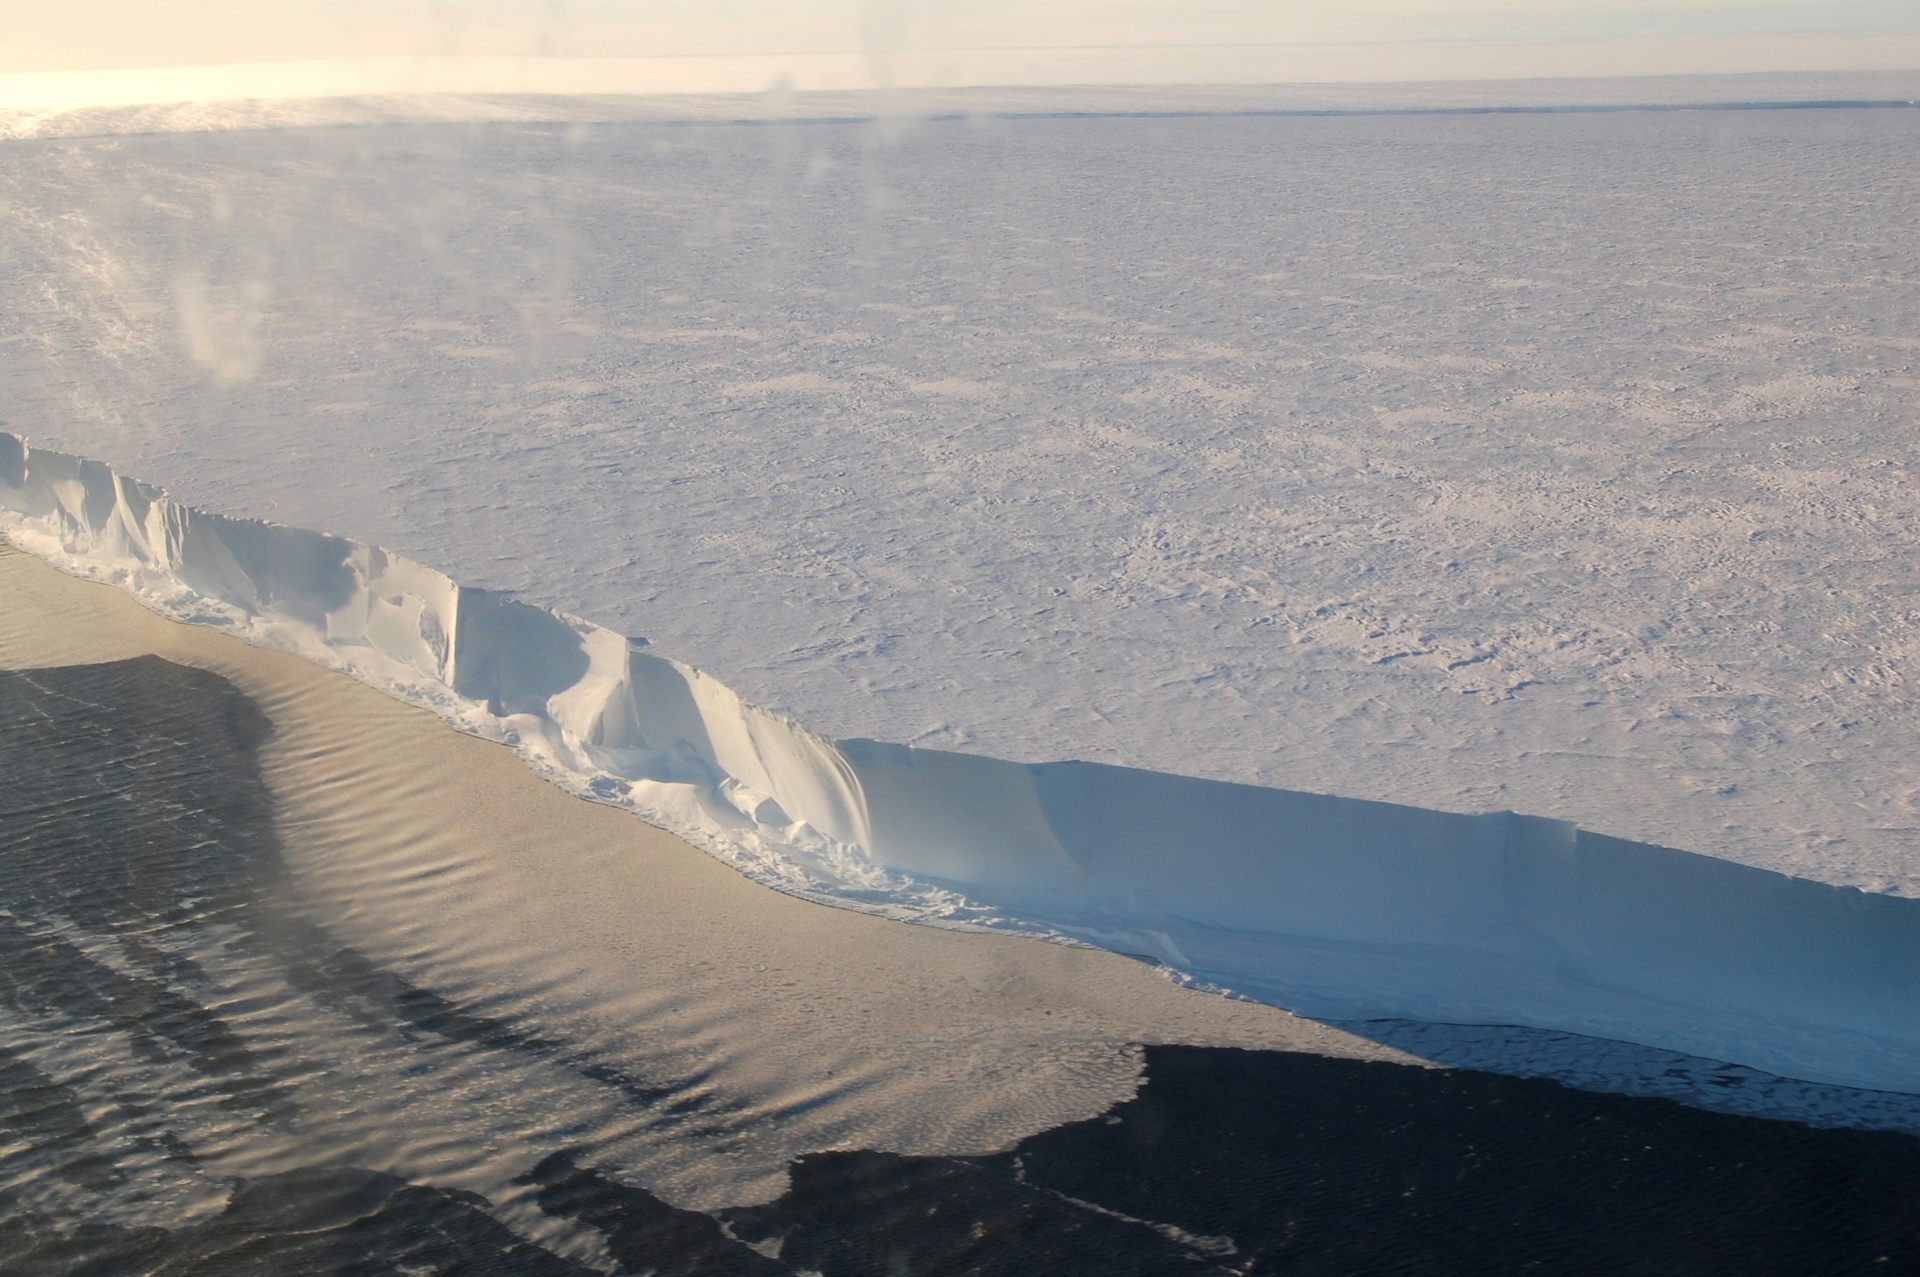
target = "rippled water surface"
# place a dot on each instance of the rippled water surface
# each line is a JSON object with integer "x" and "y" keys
{"x": 195, "y": 1077}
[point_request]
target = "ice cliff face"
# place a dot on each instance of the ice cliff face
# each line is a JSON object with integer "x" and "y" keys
{"x": 1329, "y": 906}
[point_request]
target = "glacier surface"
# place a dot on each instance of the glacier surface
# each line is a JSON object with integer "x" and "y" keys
{"x": 1562, "y": 463}
{"x": 1329, "y": 906}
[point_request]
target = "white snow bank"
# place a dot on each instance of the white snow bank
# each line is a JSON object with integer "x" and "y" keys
{"x": 1330, "y": 906}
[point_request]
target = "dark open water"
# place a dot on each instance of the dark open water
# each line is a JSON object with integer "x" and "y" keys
{"x": 169, "y": 1020}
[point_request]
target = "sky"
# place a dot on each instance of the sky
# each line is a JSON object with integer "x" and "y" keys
{"x": 744, "y": 45}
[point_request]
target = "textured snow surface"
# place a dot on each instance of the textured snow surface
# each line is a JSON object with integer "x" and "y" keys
{"x": 1561, "y": 463}
{"x": 1329, "y": 906}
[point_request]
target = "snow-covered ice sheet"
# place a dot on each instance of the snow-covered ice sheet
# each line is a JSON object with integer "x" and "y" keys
{"x": 1330, "y": 906}
{"x": 1561, "y": 463}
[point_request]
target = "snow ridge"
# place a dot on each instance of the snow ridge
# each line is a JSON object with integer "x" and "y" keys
{"x": 1331, "y": 907}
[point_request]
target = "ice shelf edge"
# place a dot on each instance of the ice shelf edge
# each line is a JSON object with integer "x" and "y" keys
{"x": 1328, "y": 906}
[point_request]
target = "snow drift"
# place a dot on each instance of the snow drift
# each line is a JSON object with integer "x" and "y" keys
{"x": 1330, "y": 906}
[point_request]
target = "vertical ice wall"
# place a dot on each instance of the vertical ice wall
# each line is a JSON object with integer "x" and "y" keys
{"x": 1330, "y": 906}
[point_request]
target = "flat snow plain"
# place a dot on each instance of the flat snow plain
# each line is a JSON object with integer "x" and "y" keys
{"x": 1562, "y": 463}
